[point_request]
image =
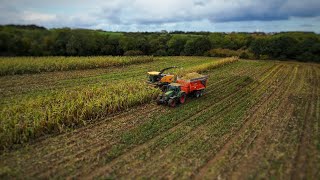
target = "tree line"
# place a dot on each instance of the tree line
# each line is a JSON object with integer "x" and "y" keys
{"x": 32, "y": 40}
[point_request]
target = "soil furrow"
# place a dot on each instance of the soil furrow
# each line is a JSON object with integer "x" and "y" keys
{"x": 276, "y": 122}
{"x": 261, "y": 126}
{"x": 300, "y": 166}
{"x": 258, "y": 111}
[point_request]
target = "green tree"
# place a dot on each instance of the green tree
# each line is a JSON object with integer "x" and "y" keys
{"x": 73, "y": 46}
{"x": 5, "y": 38}
{"x": 260, "y": 46}
{"x": 60, "y": 40}
{"x": 197, "y": 46}
{"x": 176, "y": 45}
{"x": 283, "y": 47}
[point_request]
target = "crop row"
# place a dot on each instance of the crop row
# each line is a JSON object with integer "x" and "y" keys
{"x": 33, "y": 117}
{"x": 26, "y": 84}
{"x": 208, "y": 66}
{"x": 31, "y": 65}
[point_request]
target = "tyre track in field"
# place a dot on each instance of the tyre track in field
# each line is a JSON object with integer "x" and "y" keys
{"x": 304, "y": 151}
{"x": 246, "y": 134}
{"x": 195, "y": 115}
{"x": 97, "y": 145}
{"x": 275, "y": 121}
{"x": 198, "y": 130}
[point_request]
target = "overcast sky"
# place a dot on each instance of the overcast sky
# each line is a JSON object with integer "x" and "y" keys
{"x": 156, "y": 15}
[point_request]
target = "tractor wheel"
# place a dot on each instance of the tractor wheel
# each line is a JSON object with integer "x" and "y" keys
{"x": 172, "y": 103}
{"x": 183, "y": 98}
{"x": 158, "y": 100}
{"x": 197, "y": 94}
{"x": 201, "y": 92}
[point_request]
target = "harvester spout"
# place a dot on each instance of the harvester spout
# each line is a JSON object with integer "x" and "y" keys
{"x": 161, "y": 72}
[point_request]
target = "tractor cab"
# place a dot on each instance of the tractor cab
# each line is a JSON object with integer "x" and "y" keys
{"x": 172, "y": 96}
{"x": 174, "y": 88}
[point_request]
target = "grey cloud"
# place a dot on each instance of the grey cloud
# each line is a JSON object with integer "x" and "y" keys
{"x": 160, "y": 13}
{"x": 307, "y": 25}
{"x": 217, "y": 11}
{"x": 199, "y": 3}
{"x": 8, "y": 14}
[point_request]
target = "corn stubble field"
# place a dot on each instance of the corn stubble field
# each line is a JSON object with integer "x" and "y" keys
{"x": 95, "y": 117}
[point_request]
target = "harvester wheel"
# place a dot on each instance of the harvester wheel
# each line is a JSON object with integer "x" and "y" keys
{"x": 172, "y": 103}
{"x": 183, "y": 98}
{"x": 197, "y": 94}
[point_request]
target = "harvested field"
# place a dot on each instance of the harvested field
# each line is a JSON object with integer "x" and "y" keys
{"x": 257, "y": 119}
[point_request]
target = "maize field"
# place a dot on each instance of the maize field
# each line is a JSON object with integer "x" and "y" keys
{"x": 256, "y": 120}
{"x": 31, "y": 65}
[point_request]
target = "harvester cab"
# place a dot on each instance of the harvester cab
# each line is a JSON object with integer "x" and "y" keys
{"x": 159, "y": 79}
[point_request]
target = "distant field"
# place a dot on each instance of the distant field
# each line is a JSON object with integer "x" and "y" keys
{"x": 257, "y": 119}
{"x": 32, "y": 65}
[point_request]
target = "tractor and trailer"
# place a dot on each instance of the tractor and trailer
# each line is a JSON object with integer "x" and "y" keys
{"x": 174, "y": 89}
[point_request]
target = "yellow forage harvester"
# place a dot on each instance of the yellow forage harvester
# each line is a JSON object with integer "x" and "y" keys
{"x": 159, "y": 79}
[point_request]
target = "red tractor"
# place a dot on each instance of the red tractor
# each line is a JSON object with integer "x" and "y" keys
{"x": 191, "y": 84}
